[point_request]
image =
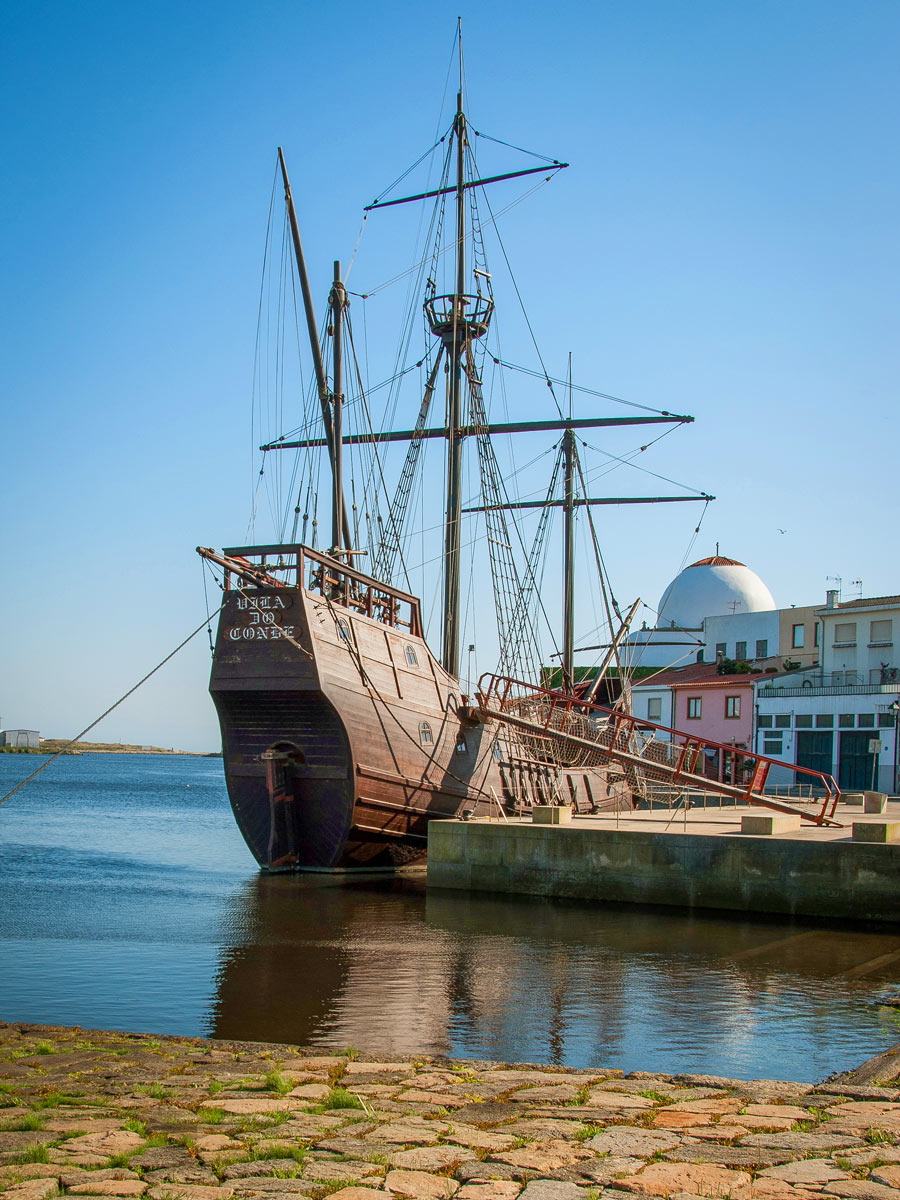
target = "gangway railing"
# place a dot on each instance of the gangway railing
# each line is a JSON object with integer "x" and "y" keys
{"x": 651, "y": 752}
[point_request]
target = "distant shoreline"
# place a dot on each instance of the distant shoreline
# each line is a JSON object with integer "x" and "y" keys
{"x": 61, "y": 745}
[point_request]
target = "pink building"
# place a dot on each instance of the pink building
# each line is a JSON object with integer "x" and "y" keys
{"x": 717, "y": 707}
{"x": 702, "y": 704}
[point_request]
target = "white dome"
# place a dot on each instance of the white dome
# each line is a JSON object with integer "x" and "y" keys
{"x": 712, "y": 587}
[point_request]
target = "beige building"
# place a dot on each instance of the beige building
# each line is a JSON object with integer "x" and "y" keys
{"x": 799, "y": 634}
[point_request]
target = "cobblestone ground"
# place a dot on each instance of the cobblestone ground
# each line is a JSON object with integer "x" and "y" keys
{"x": 100, "y": 1114}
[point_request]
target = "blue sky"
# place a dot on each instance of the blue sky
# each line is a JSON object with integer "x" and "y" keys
{"x": 725, "y": 243}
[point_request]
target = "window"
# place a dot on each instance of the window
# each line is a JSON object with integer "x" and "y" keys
{"x": 343, "y": 629}
{"x": 881, "y": 633}
{"x": 700, "y": 655}
{"x": 866, "y": 720}
{"x": 803, "y": 721}
{"x": 461, "y": 744}
{"x": 426, "y": 737}
{"x": 846, "y": 720}
{"x": 824, "y": 720}
{"x": 783, "y": 721}
{"x": 740, "y": 651}
{"x": 797, "y": 636}
{"x": 654, "y": 709}
{"x": 816, "y": 634}
{"x": 762, "y": 647}
{"x": 411, "y": 659}
{"x": 722, "y": 649}
{"x": 764, "y": 722}
{"x": 694, "y": 707}
{"x": 732, "y": 706}
{"x": 886, "y": 720}
{"x": 773, "y": 744}
{"x": 845, "y": 634}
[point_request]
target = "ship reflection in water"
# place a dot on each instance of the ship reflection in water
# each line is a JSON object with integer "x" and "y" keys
{"x": 392, "y": 969}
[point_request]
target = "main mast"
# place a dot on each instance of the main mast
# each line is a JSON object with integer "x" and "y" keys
{"x": 450, "y": 657}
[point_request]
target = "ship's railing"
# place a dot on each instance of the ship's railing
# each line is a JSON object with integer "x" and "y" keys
{"x": 652, "y": 754}
{"x": 341, "y": 584}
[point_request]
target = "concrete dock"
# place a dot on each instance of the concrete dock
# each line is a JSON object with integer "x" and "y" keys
{"x": 699, "y": 858}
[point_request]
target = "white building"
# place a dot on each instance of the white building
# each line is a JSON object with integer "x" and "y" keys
{"x": 742, "y": 636}
{"x": 20, "y": 737}
{"x": 841, "y": 717}
{"x": 710, "y": 587}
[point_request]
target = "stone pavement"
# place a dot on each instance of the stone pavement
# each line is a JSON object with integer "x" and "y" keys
{"x": 99, "y": 1114}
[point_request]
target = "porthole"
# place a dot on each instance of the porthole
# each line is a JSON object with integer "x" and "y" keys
{"x": 411, "y": 659}
{"x": 426, "y": 737}
{"x": 343, "y": 628}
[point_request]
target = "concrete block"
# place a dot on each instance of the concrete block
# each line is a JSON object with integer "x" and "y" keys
{"x": 875, "y": 802}
{"x": 853, "y": 798}
{"x": 768, "y": 823}
{"x": 551, "y": 814}
{"x": 876, "y": 831}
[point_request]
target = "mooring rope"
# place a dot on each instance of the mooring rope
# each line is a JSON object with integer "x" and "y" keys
{"x": 203, "y": 624}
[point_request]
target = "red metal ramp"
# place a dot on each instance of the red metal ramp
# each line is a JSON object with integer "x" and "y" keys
{"x": 561, "y": 727}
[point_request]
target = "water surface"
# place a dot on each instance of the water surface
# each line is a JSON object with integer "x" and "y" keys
{"x": 129, "y": 901}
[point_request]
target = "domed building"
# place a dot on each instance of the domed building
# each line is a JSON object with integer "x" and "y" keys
{"x": 711, "y": 587}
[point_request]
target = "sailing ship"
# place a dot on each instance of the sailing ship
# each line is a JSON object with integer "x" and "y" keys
{"x": 343, "y": 733}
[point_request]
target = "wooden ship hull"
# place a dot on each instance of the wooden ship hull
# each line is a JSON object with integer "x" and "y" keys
{"x": 342, "y": 736}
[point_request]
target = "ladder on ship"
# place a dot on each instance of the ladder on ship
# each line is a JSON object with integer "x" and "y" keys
{"x": 560, "y": 728}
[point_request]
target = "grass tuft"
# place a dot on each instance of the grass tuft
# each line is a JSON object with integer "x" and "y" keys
{"x": 29, "y": 1121}
{"x": 875, "y": 1137}
{"x": 338, "y": 1097}
{"x": 45, "y": 1048}
{"x": 213, "y": 1116}
{"x": 33, "y": 1154}
{"x": 133, "y": 1125}
{"x": 276, "y": 1082}
{"x": 587, "y": 1132}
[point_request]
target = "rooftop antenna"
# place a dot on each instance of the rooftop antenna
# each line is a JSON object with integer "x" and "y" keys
{"x": 857, "y": 586}
{"x": 835, "y": 579}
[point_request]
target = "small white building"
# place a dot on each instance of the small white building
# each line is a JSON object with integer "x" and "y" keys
{"x": 742, "y": 636}
{"x": 20, "y": 737}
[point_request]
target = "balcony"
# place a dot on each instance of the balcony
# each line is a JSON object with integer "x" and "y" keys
{"x": 773, "y": 692}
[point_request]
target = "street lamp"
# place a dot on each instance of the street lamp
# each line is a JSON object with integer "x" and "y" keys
{"x": 895, "y": 709}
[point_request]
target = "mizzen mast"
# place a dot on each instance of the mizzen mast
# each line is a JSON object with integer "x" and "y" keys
{"x": 340, "y": 525}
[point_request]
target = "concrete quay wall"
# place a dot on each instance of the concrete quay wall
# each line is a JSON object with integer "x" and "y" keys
{"x": 837, "y": 878}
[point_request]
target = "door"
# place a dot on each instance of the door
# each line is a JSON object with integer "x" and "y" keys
{"x": 855, "y": 770}
{"x": 814, "y": 750}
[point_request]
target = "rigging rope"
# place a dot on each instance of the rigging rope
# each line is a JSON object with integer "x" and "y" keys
{"x": 112, "y": 707}
{"x": 575, "y": 387}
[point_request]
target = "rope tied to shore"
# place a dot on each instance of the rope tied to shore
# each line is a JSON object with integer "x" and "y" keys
{"x": 77, "y": 738}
